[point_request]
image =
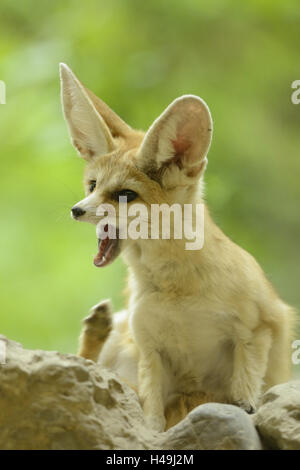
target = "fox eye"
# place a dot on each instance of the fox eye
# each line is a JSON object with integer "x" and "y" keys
{"x": 92, "y": 185}
{"x": 130, "y": 195}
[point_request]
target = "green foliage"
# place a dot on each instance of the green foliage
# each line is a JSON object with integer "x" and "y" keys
{"x": 241, "y": 57}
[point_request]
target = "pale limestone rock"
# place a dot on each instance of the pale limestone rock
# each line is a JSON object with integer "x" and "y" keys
{"x": 278, "y": 418}
{"x": 50, "y": 400}
{"x": 214, "y": 426}
{"x": 58, "y": 401}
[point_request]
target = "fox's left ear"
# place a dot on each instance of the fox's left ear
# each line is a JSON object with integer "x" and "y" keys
{"x": 178, "y": 140}
{"x": 88, "y": 131}
{"x": 93, "y": 126}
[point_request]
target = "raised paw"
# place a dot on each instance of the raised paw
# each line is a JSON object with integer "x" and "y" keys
{"x": 98, "y": 323}
{"x": 95, "y": 330}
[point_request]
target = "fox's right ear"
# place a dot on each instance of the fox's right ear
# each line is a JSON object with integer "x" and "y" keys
{"x": 88, "y": 131}
{"x": 175, "y": 147}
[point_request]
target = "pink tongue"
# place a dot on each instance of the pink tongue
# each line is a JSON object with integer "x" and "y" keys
{"x": 99, "y": 259}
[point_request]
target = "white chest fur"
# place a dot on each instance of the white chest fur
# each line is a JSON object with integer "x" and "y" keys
{"x": 193, "y": 339}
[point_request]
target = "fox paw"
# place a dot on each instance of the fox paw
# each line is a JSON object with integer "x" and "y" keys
{"x": 98, "y": 323}
{"x": 246, "y": 406}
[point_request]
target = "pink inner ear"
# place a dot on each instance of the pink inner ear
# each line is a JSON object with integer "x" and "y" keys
{"x": 181, "y": 145}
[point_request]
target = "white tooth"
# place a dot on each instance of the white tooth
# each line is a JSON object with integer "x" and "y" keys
{"x": 104, "y": 257}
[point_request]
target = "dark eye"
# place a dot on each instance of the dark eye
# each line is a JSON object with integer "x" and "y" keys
{"x": 92, "y": 185}
{"x": 130, "y": 195}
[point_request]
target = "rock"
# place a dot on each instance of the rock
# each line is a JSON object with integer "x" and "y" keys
{"x": 50, "y": 401}
{"x": 278, "y": 417}
{"x": 214, "y": 426}
{"x": 59, "y": 401}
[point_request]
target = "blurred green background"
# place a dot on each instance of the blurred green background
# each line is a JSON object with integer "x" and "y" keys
{"x": 241, "y": 57}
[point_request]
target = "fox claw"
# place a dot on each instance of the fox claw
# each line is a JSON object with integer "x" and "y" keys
{"x": 246, "y": 406}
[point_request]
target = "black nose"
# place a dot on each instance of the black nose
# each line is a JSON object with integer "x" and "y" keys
{"x": 77, "y": 212}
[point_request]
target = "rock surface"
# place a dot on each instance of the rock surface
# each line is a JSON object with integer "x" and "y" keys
{"x": 214, "y": 426}
{"x": 278, "y": 417}
{"x": 50, "y": 400}
{"x": 57, "y": 401}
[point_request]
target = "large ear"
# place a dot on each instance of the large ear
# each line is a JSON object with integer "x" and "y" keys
{"x": 117, "y": 126}
{"x": 88, "y": 131}
{"x": 179, "y": 139}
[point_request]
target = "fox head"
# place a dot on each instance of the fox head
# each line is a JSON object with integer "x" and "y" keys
{"x": 163, "y": 165}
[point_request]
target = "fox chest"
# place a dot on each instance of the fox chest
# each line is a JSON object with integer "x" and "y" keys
{"x": 191, "y": 339}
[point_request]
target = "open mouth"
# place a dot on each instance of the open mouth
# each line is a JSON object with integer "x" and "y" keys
{"x": 108, "y": 249}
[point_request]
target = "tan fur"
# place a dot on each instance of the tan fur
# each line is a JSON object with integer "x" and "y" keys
{"x": 200, "y": 325}
{"x": 96, "y": 328}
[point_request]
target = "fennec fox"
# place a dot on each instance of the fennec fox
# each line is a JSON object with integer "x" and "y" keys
{"x": 201, "y": 325}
